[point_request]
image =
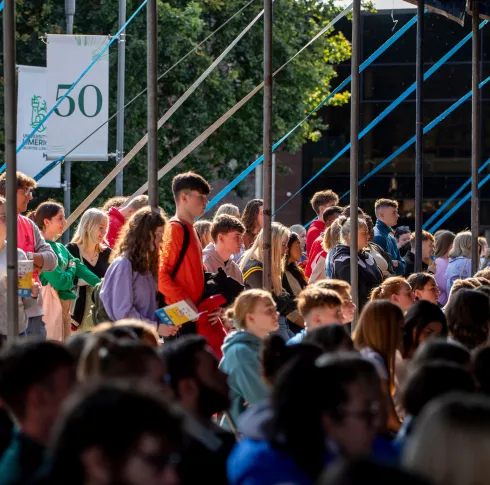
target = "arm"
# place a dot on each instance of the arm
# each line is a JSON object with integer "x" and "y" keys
{"x": 44, "y": 256}
{"x": 81, "y": 271}
{"x": 342, "y": 270}
{"x": 60, "y": 280}
{"x": 171, "y": 250}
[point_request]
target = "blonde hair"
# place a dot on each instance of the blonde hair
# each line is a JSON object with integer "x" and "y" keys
{"x": 380, "y": 328}
{"x": 331, "y": 284}
{"x": 245, "y": 304}
{"x": 461, "y": 245}
{"x": 229, "y": 209}
{"x": 314, "y": 297}
{"x": 332, "y": 236}
{"x": 388, "y": 288}
{"x": 345, "y": 224}
{"x": 90, "y": 220}
{"x": 146, "y": 332}
{"x": 279, "y": 233}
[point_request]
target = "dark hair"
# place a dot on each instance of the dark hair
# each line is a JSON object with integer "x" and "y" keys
{"x": 189, "y": 181}
{"x": 440, "y": 349}
{"x": 400, "y": 231}
{"x": 97, "y": 416}
{"x": 444, "y": 241}
{"x": 179, "y": 358}
{"x": 225, "y": 224}
{"x": 23, "y": 180}
{"x": 135, "y": 240}
{"x": 76, "y": 343}
{"x": 330, "y": 337}
{"x": 481, "y": 369}
{"x": 346, "y": 211}
{"x": 293, "y": 267}
{"x": 331, "y": 211}
{"x": 418, "y": 280}
{"x": 46, "y": 210}
{"x": 433, "y": 380}
{"x": 322, "y": 198}
{"x": 250, "y": 213}
{"x": 418, "y": 316}
{"x": 26, "y": 364}
{"x": 468, "y": 317}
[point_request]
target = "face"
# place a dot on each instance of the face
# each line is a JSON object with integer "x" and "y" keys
{"x": 331, "y": 220}
{"x": 260, "y": 219}
{"x": 231, "y": 242}
{"x": 359, "y": 421}
{"x": 428, "y": 250}
{"x": 24, "y": 196}
{"x": 264, "y": 319}
{"x": 158, "y": 237}
{"x": 100, "y": 232}
{"x": 194, "y": 202}
{"x": 326, "y": 315}
{"x": 405, "y": 298}
{"x": 362, "y": 237}
{"x": 432, "y": 330}
{"x": 284, "y": 246}
{"x": 403, "y": 239}
{"x": 302, "y": 238}
{"x": 151, "y": 463}
{"x": 430, "y": 292}
{"x": 56, "y": 224}
{"x": 3, "y": 223}
{"x": 389, "y": 215}
{"x": 295, "y": 253}
{"x": 348, "y": 307}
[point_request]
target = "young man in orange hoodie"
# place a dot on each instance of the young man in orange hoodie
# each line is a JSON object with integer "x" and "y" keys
{"x": 185, "y": 281}
{"x": 319, "y": 202}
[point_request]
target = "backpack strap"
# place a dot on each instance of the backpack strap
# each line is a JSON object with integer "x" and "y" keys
{"x": 183, "y": 249}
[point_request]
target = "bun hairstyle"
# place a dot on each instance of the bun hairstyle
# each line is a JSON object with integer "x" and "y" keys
{"x": 244, "y": 304}
{"x": 345, "y": 228}
{"x": 389, "y": 287}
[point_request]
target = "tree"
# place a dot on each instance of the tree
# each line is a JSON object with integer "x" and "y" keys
{"x": 182, "y": 25}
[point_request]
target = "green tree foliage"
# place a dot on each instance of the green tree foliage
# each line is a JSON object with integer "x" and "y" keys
{"x": 181, "y": 26}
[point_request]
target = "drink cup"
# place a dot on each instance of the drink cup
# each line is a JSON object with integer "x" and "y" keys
{"x": 25, "y": 271}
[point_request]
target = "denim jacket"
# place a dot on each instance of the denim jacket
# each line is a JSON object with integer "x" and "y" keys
{"x": 457, "y": 268}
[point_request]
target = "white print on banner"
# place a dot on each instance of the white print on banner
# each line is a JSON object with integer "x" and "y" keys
{"x": 85, "y": 107}
{"x": 32, "y": 107}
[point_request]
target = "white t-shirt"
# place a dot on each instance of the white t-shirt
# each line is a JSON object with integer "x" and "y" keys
{"x": 377, "y": 360}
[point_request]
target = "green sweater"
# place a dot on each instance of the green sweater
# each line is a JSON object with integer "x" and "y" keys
{"x": 63, "y": 277}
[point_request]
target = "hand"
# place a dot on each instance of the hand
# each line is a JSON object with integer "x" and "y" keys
{"x": 72, "y": 264}
{"x": 38, "y": 261}
{"x": 213, "y": 317}
{"x": 432, "y": 268}
{"x": 395, "y": 263}
{"x": 36, "y": 287}
{"x": 167, "y": 330}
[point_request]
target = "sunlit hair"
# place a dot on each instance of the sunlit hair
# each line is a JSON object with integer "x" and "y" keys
{"x": 459, "y": 285}
{"x": 250, "y": 214}
{"x": 444, "y": 242}
{"x": 229, "y": 209}
{"x": 89, "y": 224}
{"x": 332, "y": 236}
{"x": 46, "y": 210}
{"x": 418, "y": 280}
{"x": 389, "y": 287}
{"x": 136, "y": 240}
{"x": 279, "y": 235}
{"x": 340, "y": 286}
{"x": 202, "y": 228}
{"x": 23, "y": 181}
{"x": 450, "y": 444}
{"x": 345, "y": 224}
{"x": 380, "y": 327}
{"x": 313, "y": 298}
{"x": 245, "y": 304}
{"x": 117, "y": 201}
{"x": 461, "y": 245}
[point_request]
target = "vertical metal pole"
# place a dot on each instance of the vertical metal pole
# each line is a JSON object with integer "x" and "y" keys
{"x": 354, "y": 151}
{"x": 121, "y": 72}
{"x": 152, "y": 43}
{"x": 258, "y": 180}
{"x": 273, "y": 200}
{"x": 69, "y": 13}
{"x": 475, "y": 134}
{"x": 10, "y": 121}
{"x": 419, "y": 135}
{"x": 267, "y": 185}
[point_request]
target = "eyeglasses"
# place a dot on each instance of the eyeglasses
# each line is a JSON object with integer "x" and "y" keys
{"x": 27, "y": 191}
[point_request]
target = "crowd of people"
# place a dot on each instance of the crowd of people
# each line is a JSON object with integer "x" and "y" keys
{"x": 295, "y": 385}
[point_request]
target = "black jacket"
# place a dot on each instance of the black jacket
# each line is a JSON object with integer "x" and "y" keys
{"x": 409, "y": 259}
{"x": 370, "y": 275}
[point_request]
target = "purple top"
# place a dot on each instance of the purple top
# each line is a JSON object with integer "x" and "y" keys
{"x": 128, "y": 294}
{"x": 440, "y": 276}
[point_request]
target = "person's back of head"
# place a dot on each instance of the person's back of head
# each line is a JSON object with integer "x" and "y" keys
{"x": 331, "y": 338}
{"x": 133, "y": 205}
{"x": 116, "y": 202}
{"x": 229, "y": 209}
{"x": 250, "y": 215}
{"x": 346, "y": 211}
{"x": 143, "y": 331}
{"x": 106, "y": 426}
{"x": 331, "y": 213}
{"x": 35, "y": 379}
{"x": 76, "y": 343}
{"x": 321, "y": 200}
{"x": 440, "y": 349}
{"x": 481, "y": 369}
{"x": 450, "y": 444}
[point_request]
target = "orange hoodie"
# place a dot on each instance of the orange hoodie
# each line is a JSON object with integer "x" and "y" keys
{"x": 189, "y": 280}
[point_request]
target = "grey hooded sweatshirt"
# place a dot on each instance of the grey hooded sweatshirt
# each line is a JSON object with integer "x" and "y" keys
{"x": 212, "y": 260}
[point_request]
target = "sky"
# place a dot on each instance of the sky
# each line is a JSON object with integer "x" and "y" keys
{"x": 388, "y": 4}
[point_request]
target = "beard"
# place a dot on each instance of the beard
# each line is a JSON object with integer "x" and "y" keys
{"x": 212, "y": 401}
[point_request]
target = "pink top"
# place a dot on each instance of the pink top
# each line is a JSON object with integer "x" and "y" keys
{"x": 25, "y": 238}
{"x": 440, "y": 276}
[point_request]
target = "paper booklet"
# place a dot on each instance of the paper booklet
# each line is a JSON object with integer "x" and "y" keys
{"x": 177, "y": 314}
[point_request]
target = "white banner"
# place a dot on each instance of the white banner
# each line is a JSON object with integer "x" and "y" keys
{"x": 87, "y": 106}
{"x": 32, "y": 106}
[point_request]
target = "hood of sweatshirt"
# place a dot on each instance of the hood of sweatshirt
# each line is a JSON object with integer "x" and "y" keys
{"x": 318, "y": 224}
{"x": 241, "y": 337}
{"x": 210, "y": 252}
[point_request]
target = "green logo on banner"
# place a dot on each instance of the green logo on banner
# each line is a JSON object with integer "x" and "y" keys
{"x": 39, "y": 111}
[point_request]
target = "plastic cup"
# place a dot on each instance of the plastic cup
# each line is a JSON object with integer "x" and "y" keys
{"x": 25, "y": 271}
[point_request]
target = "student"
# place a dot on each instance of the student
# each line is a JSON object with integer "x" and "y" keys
{"x": 88, "y": 245}
{"x": 119, "y": 215}
{"x": 387, "y": 216}
{"x": 203, "y": 230}
{"x": 293, "y": 278}
{"x": 35, "y": 379}
{"x": 382, "y": 258}
{"x": 253, "y": 220}
{"x": 129, "y": 288}
{"x": 402, "y": 236}
{"x": 459, "y": 264}
{"x": 320, "y": 201}
{"x": 116, "y": 201}
{"x": 424, "y": 287}
{"x": 395, "y": 289}
{"x": 30, "y": 240}
{"x": 229, "y": 209}
{"x": 343, "y": 289}
{"x": 24, "y": 303}
{"x": 50, "y": 218}
{"x": 227, "y": 234}
{"x": 378, "y": 336}
{"x": 318, "y": 308}
{"x": 428, "y": 250}
{"x": 254, "y": 315}
{"x": 444, "y": 243}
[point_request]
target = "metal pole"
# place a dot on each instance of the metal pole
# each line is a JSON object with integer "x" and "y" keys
{"x": 273, "y": 200}
{"x": 267, "y": 185}
{"x": 354, "y": 151}
{"x": 152, "y": 53}
{"x": 69, "y": 14}
{"x": 121, "y": 71}
{"x": 10, "y": 101}
{"x": 475, "y": 132}
{"x": 419, "y": 135}
{"x": 258, "y": 181}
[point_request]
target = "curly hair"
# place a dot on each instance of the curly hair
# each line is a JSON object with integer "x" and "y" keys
{"x": 136, "y": 239}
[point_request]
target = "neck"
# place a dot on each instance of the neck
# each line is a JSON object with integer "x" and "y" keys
{"x": 384, "y": 222}
{"x": 224, "y": 255}
{"x": 2, "y": 242}
{"x": 258, "y": 333}
{"x": 48, "y": 235}
{"x": 90, "y": 247}
{"x": 184, "y": 215}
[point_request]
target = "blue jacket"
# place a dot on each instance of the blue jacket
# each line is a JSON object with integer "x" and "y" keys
{"x": 383, "y": 237}
{"x": 297, "y": 339}
{"x": 457, "y": 269}
{"x": 241, "y": 361}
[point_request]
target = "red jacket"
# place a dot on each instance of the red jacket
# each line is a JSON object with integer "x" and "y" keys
{"x": 315, "y": 250}
{"x": 316, "y": 228}
{"x": 116, "y": 222}
{"x": 215, "y": 334}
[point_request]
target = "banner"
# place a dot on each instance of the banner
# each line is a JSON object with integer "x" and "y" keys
{"x": 32, "y": 106}
{"x": 87, "y": 106}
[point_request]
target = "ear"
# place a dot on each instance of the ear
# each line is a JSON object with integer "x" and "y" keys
{"x": 94, "y": 465}
{"x": 394, "y": 299}
{"x": 46, "y": 222}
